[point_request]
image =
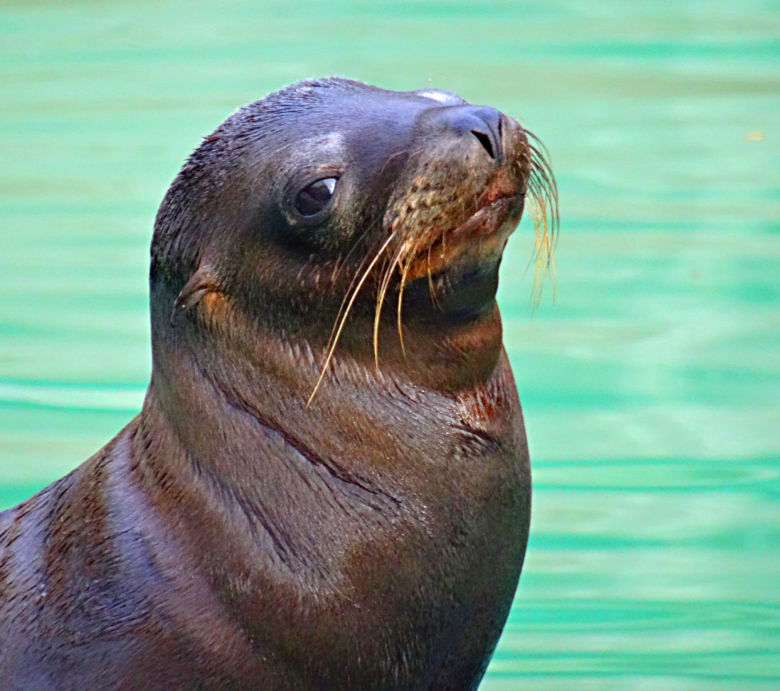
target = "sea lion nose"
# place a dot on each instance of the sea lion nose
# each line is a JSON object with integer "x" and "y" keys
{"x": 481, "y": 122}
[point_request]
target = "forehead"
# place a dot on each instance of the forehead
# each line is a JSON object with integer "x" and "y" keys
{"x": 342, "y": 105}
{"x": 336, "y": 121}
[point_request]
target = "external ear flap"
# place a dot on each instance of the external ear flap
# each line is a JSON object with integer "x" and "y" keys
{"x": 203, "y": 281}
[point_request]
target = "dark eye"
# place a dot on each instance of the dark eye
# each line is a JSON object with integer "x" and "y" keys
{"x": 315, "y": 197}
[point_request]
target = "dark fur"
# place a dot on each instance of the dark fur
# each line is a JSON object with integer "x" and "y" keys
{"x": 232, "y": 536}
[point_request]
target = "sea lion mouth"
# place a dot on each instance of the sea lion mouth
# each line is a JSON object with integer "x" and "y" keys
{"x": 458, "y": 273}
{"x": 478, "y": 240}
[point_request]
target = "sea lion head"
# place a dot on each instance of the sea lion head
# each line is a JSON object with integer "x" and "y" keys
{"x": 307, "y": 212}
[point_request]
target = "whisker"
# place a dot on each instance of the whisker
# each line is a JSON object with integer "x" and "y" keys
{"x": 431, "y": 289}
{"x": 357, "y": 243}
{"x": 404, "y": 274}
{"x": 543, "y": 193}
{"x": 381, "y": 298}
{"x": 343, "y": 321}
{"x": 354, "y": 277}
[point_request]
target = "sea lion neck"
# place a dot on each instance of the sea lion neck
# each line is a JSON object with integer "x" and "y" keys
{"x": 296, "y": 354}
{"x": 262, "y": 382}
{"x": 230, "y": 422}
{"x": 234, "y": 419}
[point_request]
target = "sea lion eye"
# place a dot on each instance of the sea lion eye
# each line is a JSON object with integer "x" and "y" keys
{"x": 314, "y": 197}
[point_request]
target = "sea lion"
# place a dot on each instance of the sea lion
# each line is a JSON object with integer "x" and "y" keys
{"x": 318, "y": 493}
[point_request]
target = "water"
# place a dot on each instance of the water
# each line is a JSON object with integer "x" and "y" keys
{"x": 650, "y": 386}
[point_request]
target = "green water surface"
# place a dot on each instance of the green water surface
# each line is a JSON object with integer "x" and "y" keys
{"x": 651, "y": 385}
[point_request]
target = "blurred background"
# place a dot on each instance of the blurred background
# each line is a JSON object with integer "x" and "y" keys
{"x": 650, "y": 384}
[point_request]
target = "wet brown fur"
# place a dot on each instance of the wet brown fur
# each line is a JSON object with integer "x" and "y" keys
{"x": 242, "y": 532}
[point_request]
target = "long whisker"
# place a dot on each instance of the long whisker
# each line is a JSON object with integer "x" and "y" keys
{"x": 546, "y": 179}
{"x": 392, "y": 264}
{"x": 359, "y": 268}
{"x": 544, "y": 248}
{"x": 356, "y": 244}
{"x": 543, "y": 192}
{"x": 346, "y": 314}
{"x": 431, "y": 289}
{"x": 404, "y": 274}
{"x": 540, "y": 162}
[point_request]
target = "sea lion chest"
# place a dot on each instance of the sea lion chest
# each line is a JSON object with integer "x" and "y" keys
{"x": 388, "y": 558}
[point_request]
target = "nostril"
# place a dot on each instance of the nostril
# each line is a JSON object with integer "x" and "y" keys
{"x": 486, "y": 142}
{"x": 481, "y": 122}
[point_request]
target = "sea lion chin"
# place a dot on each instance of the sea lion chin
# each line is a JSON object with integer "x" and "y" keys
{"x": 328, "y": 484}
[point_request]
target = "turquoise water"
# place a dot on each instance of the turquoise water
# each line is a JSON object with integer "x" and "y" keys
{"x": 651, "y": 384}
